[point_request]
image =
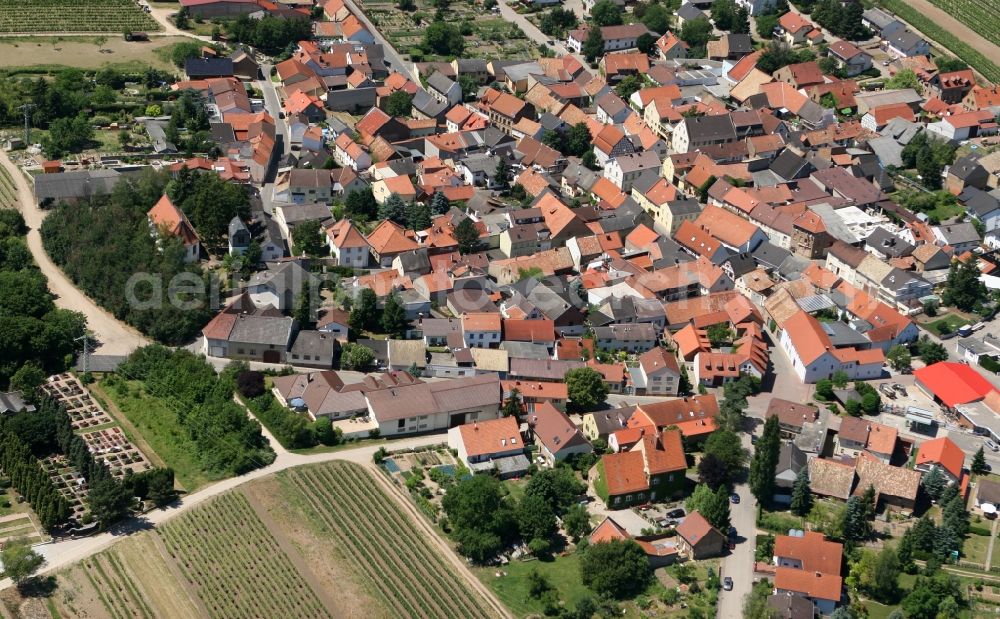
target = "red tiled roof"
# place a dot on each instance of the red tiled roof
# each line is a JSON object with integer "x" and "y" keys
{"x": 942, "y": 451}
{"x": 953, "y": 383}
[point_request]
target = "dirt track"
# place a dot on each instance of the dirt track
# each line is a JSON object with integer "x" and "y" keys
{"x": 114, "y": 336}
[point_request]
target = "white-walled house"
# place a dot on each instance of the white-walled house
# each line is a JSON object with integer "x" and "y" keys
{"x": 814, "y": 357}
{"x": 427, "y": 407}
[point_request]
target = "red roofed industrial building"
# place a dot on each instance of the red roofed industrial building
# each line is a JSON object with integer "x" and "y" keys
{"x": 952, "y": 383}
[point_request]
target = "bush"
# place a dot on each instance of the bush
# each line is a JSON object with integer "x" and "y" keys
{"x": 250, "y": 383}
{"x": 778, "y": 522}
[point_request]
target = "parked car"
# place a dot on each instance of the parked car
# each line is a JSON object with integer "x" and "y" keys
{"x": 727, "y": 583}
{"x": 899, "y": 388}
{"x": 664, "y": 523}
{"x": 991, "y": 445}
{"x": 887, "y": 391}
{"x": 676, "y": 513}
{"x": 735, "y": 498}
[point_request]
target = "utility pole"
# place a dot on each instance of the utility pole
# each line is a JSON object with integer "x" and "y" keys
{"x": 26, "y": 108}
{"x": 86, "y": 350}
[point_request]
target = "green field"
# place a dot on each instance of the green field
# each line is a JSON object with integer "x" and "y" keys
{"x": 980, "y": 15}
{"x": 953, "y": 43}
{"x": 111, "y": 16}
{"x": 159, "y": 426}
{"x": 563, "y": 573}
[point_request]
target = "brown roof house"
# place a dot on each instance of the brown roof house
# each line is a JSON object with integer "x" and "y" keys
{"x": 557, "y": 436}
{"x": 698, "y": 539}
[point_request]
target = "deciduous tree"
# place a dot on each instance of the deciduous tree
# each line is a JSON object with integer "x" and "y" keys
{"x": 618, "y": 568}
{"x": 586, "y": 388}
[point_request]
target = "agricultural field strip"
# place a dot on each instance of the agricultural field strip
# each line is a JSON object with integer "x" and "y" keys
{"x": 116, "y": 565}
{"x": 87, "y": 572}
{"x": 201, "y": 577}
{"x": 205, "y": 582}
{"x": 120, "y": 606}
{"x": 356, "y": 508}
{"x": 234, "y": 528}
{"x": 980, "y": 15}
{"x": 112, "y": 16}
{"x": 943, "y": 38}
{"x": 426, "y": 563}
{"x": 374, "y": 566}
{"x": 468, "y": 599}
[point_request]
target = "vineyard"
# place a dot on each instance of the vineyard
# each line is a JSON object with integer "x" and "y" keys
{"x": 945, "y": 38}
{"x": 382, "y": 544}
{"x": 131, "y": 580}
{"x": 980, "y": 15}
{"x": 8, "y": 191}
{"x": 236, "y": 566}
{"x": 112, "y": 16}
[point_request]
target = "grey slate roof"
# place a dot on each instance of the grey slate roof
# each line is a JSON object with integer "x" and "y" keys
{"x": 70, "y": 185}
{"x": 711, "y": 128}
{"x": 884, "y": 242}
{"x": 208, "y": 67}
{"x": 770, "y": 256}
{"x": 264, "y": 330}
{"x": 689, "y": 12}
{"x": 424, "y": 103}
{"x": 315, "y": 344}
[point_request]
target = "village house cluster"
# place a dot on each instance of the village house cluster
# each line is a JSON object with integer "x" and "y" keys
{"x": 718, "y": 216}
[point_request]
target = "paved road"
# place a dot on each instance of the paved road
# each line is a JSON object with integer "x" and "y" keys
{"x": 739, "y": 564}
{"x": 535, "y": 34}
{"x": 63, "y": 553}
{"x": 113, "y": 336}
{"x": 396, "y": 62}
{"x": 272, "y": 103}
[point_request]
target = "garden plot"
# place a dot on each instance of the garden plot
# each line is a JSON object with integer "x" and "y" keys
{"x": 19, "y": 526}
{"x": 486, "y": 34}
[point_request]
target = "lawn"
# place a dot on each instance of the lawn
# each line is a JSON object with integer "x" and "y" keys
{"x": 779, "y": 522}
{"x": 949, "y": 322}
{"x": 600, "y": 484}
{"x": 158, "y": 424}
{"x": 944, "y": 212}
{"x": 563, "y": 573}
{"x": 975, "y": 548}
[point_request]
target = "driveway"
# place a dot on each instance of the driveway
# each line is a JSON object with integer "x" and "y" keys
{"x": 112, "y": 336}
{"x": 738, "y": 565}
